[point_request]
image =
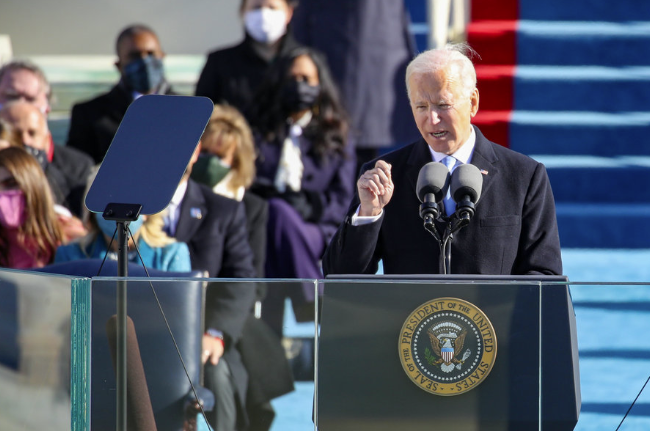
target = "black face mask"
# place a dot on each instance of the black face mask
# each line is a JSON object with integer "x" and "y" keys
{"x": 39, "y": 155}
{"x": 144, "y": 74}
{"x": 299, "y": 95}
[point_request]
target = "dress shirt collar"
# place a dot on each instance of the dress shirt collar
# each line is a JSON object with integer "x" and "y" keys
{"x": 179, "y": 194}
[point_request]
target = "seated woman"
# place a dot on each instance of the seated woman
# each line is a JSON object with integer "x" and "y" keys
{"x": 29, "y": 228}
{"x": 227, "y": 165}
{"x": 305, "y": 168}
{"x": 158, "y": 250}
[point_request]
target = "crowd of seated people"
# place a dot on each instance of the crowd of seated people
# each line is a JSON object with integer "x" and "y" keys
{"x": 261, "y": 196}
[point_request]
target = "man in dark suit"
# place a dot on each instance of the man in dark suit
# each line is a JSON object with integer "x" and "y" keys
{"x": 214, "y": 228}
{"x": 514, "y": 229}
{"x": 139, "y": 60}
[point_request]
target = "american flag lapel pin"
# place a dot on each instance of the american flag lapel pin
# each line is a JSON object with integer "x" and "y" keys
{"x": 196, "y": 213}
{"x": 484, "y": 172}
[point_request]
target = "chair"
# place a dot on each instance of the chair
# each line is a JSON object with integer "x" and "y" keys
{"x": 172, "y": 400}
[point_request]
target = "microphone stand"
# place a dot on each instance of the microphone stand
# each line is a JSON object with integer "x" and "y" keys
{"x": 457, "y": 221}
{"x": 122, "y": 214}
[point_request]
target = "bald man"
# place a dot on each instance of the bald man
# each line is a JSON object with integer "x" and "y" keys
{"x": 66, "y": 169}
{"x": 93, "y": 124}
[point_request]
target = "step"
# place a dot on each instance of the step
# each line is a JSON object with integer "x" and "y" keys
{"x": 607, "y": 265}
{"x": 565, "y": 88}
{"x": 576, "y": 133}
{"x": 604, "y": 225}
{"x": 582, "y": 43}
{"x": 585, "y": 179}
{"x": 496, "y": 87}
{"x": 495, "y": 125}
{"x": 560, "y": 88}
{"x": 494, "y": 9}
{"x": 583, "y": 10}
{"x": 494, "y": 41}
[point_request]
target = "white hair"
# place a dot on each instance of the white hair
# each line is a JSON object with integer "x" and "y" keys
{"x": 452, "y": 55}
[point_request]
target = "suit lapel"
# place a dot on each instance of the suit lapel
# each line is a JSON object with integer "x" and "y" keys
{"x": 485, "y": 159}
{"x": 193, "y": 211}
{"x": 419, "y": 157}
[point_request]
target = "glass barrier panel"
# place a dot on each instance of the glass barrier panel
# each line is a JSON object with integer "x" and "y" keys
{"x": 407, "y": 353}
{"x": 612, "y": 321}
{"x": 376, "y": 341}
{"x": 35, "y": 350}
{"x": 255, "y": 361}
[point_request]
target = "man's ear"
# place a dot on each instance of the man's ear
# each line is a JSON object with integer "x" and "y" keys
{"x": 474, "y": 102}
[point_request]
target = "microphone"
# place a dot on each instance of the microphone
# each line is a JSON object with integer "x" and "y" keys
{"x": 466, "y": 186}
{"x": 432, "y": 186}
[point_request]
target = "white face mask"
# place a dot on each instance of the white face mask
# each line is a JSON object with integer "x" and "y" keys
{"x": 266, "y": 25}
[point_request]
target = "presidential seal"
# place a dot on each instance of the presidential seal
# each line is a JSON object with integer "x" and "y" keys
{"x": 447, "y": 346}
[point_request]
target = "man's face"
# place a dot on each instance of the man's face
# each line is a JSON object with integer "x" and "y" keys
{"x": 442, "y": 112}
{"x": 29, "y": 124}
{"x": 140, "y": 45}
{"x": 24, "y": 85}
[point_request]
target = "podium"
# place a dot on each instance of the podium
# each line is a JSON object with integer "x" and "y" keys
{"x": 462, "y": 353}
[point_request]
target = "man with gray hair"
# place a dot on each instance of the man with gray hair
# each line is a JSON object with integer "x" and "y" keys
{"x": 23, "y": 80}
{"x": 24, "y": 85}
{"x": 514, "y": 227}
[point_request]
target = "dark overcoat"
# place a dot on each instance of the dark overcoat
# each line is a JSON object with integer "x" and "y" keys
{"x": 514, "y": 230}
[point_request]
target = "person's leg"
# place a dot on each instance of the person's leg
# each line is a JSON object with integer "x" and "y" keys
{"x": 294, "y": 248}
{"x": 219, "y": 380}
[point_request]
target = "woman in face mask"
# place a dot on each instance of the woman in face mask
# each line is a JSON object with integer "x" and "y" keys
{"x": 233, "y": 74}
{"x": 305, "y": 168}
{"x": 227, "y": 165}
{"x": 29, "y": 229}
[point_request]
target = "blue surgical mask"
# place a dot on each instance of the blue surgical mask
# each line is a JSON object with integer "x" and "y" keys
{"x": 108, "y": 226}
{"x": 144, "y": 74}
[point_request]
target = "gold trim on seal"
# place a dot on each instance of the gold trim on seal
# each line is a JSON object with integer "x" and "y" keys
{"x": 447, "y": 323}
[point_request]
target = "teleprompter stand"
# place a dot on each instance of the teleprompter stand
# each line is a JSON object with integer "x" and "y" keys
{"x": 139, "y": 175}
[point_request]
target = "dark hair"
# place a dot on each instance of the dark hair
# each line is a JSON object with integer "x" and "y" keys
{"x": 131, "y": 31}
{"x": 268, "y": 117}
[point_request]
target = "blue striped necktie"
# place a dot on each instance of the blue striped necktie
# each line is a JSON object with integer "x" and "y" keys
{"x": 450, "y": 204}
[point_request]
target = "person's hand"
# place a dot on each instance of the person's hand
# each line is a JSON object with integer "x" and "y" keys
{"x": 375, "y": 189}
{"x": 212, "y": 349}
{"x": 72, "y": 227}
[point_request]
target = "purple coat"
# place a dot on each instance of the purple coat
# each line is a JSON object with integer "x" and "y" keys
{"x": 332, "y": 179}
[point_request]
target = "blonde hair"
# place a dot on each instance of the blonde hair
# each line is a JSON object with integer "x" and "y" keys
{"x": 229, "y": 125}
{"x": 152, "y": 231}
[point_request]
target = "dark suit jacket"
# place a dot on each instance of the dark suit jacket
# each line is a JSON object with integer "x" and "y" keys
{"x": 514, "y": 230}
{"x": 368, "y": 46}
{"x": 257, "y": 215}
{"x": 214, "y": 228}
{"x": 93, "y": 124}
{"x": 233, "y": 75}
{"x": 69, "y": 171}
